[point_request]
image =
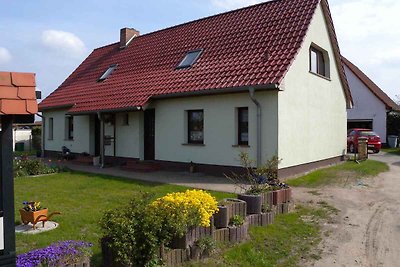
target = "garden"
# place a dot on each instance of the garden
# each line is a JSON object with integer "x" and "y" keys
{"x": 121, "y": 222}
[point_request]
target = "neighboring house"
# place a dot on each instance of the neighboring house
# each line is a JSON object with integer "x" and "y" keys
{"x": 22, "y": 134}
{"x": 266, "y": 79}
{"x": 371, "y": 104}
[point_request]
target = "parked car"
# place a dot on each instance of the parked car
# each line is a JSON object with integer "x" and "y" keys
{"x": 374, "y": 141}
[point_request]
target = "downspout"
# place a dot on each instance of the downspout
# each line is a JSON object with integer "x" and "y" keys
{"x": 258, "y": 144}
{"x": 101, "y": 139}
{"x": 43, "y": 132}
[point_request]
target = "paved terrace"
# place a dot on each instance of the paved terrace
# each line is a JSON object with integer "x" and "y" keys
{"x": 194, "y": 180}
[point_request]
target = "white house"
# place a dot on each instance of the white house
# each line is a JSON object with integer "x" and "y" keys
{"x": 266, "y": 79}
{"x": 371, "y": 104}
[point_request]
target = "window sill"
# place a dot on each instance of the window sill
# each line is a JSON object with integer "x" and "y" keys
{"x": 192, "y": 144}
{"x": 245, "y": 146}
{"x": 321, "y": 76}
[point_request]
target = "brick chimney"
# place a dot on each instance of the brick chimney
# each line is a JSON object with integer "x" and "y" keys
{"x": 126, "y": 36}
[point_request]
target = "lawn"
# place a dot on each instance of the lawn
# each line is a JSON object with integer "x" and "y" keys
{"x": 291, "y": 238}
{"x": 342, "y": 174}
{"x": 81, "y": 198}
{"x": 395, "y": 151}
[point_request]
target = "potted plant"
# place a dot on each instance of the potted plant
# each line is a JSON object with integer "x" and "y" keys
{"x": 221, "y": 218}
{"x": 33, "y": 212}
{"x": 255, "y": 181}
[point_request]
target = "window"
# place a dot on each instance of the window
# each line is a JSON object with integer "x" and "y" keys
{"x": 243, "y": 126}
{"x": 69, "y": 121}
{"x": 107, "y": 72}
{"x": 190, "y": 59}
{"x": 125, "y": 119}
{"x": 50, "y": 128}
{"x": 319, "y": 62}
{"x": 195, "y": 127}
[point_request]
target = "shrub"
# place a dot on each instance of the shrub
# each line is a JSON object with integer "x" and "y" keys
{"x": 181, "y": 210}
{"x": 134, "y": 232}
{"x": 25, "y": 167}
{"x": 237, "y": 220}
{"x": 58, "y": 254}
{"x": 206, "y": 245}
{"x": 260, "y": 179}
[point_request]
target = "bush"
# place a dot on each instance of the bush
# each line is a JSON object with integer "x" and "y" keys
{"x": 181, "y": 210}
{"x": 237, "y": 220}
{"x": 25, "y": 167}
{"x": 134, "y": 232}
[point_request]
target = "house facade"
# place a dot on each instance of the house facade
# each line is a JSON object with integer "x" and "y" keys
{"x": 371, "y": 104}
{"x": 267, "y": 80}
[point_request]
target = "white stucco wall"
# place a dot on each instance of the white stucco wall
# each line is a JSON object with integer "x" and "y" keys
{"x": 81, "y": 142}
{"x": 22, "y": 136}
{"x": 312, "y": 110}
{"x": 366, "y": 105}
{"x": 220, "y": 128}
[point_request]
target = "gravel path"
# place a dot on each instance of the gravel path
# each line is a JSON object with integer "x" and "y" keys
{"x": 366, "y": 232}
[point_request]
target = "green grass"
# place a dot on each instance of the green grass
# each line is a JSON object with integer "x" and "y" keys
{"x": 82, "y": 199}
{"x": 395, "y": 151}
{"x": 341, "y": 174}
{"x": 24, "y": 153}
{"x": 292, "y": 237}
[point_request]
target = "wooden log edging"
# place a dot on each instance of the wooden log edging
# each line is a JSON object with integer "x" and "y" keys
{"x": 188, "y": 250}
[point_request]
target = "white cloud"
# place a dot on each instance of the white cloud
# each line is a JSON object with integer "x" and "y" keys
{"x": 232, "y": 4}
{"x": 64, "y": 42}
{"x": 5, "y": 55}
{"x": 369, "y": 35}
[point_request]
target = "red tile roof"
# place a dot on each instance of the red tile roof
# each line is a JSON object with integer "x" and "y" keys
{"x": 251, "y": 46}
{"x": 17, "y": 93}
{"x": 389, "y": 103}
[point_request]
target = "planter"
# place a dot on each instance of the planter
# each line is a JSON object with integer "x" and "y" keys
{"x": 192, "y": 235}
{"x": 288, "y": 194}
{"x": 221, "y": 219}
{"x": 235, "y": 207}
{"x": 254, "y": 203}
{"x": 267, "y": 201}
{"x": 81, "y": 263}
{"x": 33, "y": 216}
{"x": 278, "y": 196}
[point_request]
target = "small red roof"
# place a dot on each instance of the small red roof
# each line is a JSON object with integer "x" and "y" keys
{"x": 252, "y": 46}
{"x": 17, "y": 93}
{"x": 378, "y": 92}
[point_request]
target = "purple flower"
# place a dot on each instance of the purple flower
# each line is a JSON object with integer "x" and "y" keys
{"x": 57, "y": 254}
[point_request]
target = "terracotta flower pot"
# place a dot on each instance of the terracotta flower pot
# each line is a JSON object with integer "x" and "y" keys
{"x": 254, "y": 203}
{"x": 33, "y": 216}
{"x": 221, "y": 219}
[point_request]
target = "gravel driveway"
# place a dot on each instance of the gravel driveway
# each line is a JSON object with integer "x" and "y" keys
{"x": 366, "y": 232}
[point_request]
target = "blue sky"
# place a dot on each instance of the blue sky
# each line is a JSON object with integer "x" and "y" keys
{"x": 51, "y": 38}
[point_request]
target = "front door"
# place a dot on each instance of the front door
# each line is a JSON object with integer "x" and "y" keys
{"x": 149, "y": 134}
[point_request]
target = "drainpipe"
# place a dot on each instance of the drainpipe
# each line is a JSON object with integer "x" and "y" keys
{"x": 101, "y": 139}
{"x": 43, "y": 133}
{"x": 258, "y": 144}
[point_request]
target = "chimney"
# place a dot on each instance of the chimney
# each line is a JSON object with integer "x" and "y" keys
{"x": 126, "y": 36}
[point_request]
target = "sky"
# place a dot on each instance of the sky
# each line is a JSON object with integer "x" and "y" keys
{"x": 52, "y": 37}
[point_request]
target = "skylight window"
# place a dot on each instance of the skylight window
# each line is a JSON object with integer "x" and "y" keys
{"x": 107, "y": 72}
{"x": 190, "y": 58}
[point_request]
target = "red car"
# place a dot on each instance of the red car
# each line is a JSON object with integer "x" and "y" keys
{"x": 374, "y": 141}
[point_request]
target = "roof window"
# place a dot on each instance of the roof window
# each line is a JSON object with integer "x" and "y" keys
{"x": 190, "y": 58}
{"x": 107, "y": 72}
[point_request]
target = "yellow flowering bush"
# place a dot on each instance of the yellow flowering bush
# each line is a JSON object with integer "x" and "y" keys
{"x": 180, "y": 210}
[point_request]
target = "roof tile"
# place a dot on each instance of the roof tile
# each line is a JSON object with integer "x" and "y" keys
{"x": 234, "y": 47}
{"x": 5, "y": 78}
{"x": 23, "y": 79}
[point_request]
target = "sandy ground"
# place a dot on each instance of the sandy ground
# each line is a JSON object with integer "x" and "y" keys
{"x": 366, "y": 231}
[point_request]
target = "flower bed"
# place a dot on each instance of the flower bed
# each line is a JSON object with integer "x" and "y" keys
{"x": 63, "y": 253}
